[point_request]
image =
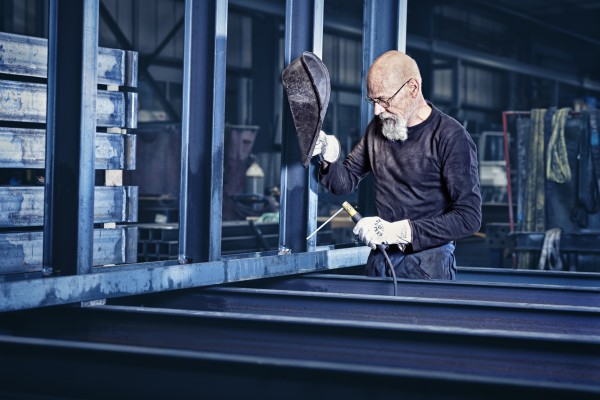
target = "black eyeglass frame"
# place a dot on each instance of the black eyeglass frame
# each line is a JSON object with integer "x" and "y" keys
{"x": 386, "y": 103}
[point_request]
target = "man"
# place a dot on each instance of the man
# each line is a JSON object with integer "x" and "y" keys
{"x": 424, "y": 165}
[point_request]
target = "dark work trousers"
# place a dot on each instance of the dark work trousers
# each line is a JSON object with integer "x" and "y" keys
{"x": 434, "y": 263}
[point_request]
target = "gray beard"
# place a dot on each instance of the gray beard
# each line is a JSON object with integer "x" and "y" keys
{"x": 394, "y": 127}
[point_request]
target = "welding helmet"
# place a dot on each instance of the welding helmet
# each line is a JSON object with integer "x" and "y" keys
{"x": 307, "y": 85}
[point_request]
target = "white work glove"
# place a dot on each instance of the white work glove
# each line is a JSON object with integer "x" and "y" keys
{"x": 374, "y": 231}
{"x": 328, "y": 146}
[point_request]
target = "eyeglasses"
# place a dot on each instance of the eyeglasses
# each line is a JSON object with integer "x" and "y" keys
{"x": 386, "y": 103}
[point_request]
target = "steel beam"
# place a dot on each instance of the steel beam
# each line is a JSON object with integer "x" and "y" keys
{"x": 561, "y": 361}
{"x": 384, "y": 28}
{"x": 24, "y": 205}
{"x": 138, "y": 371}
{"x": 156, "y": 277}
{"x": 477, "y": 316}
{"x": 449, "y": 290}
{"x": 28, "y": 56}
{"x": 26, "y": 102}
{"x": 71, "y": 127}
{"x": 25, "y": 148}
{"x": 561, "y": 278}
{"x": 203, "y": 129}
{"x": 22, "y": 254}
{"x": 503, "y": 275}
{"x": 298, "y": 210}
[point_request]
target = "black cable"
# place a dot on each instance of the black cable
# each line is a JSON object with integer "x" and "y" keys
{"x": 355, "y": 215}
{"x": 382, "y": 248}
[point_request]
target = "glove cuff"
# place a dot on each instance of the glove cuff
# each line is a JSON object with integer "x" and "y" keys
{"x": 332, "y": 149}
{"x": 402, "y": 231}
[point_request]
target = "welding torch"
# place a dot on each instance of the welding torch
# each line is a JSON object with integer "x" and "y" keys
{"x": 355, "y": 215}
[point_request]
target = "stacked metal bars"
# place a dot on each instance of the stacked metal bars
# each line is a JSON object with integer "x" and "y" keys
{"x": 23, "y": 65}
{"x": 323, "y": 334}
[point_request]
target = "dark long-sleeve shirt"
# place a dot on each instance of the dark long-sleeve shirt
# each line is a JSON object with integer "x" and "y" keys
{"x": 431, "y": 178}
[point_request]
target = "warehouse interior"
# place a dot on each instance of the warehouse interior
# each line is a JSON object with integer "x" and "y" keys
{"x": 156, "y": 221}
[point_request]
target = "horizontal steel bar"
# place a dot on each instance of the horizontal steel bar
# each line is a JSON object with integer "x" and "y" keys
{"x": 481, "y": 315}
{"x": 22, "y": 252}
{"x": 26, "y": 102}
{"x": 140, "y": 279}
{"x": 25, "y": 148}
{"x": 28, "y": 56}
{"x": 24, "y": 205}
{"x": 561, "y": 360}
{"x": 561, "y": 278}
{"x": 450, "y": 290}
{"x": 569, "y": 242}
{"x": 136, "y": 371}
{"x": 503, "y": 275}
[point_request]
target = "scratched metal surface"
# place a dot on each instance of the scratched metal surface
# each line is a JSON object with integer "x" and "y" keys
{"x": 22, "y": 206}
{"x": 25, "y": 148}
{"x": 22, "y": 251}
{"x": 26, "y": 102}
{"x": 28, "y": 56}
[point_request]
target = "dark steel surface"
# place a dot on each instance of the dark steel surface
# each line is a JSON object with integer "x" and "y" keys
{"x": 25, "y": 148}
{"x": 562, "y": 360}
{"x": 70, "y": 137}
{"x": 503, "y": 275}
{"x": 469, "y": 291}
{"x": 300, "y": 32}
{"x": 426, "y": 311}
{"x": 135, "y": 372}
{"x": 203, "y": 125}
{"x": 561, "y": 278}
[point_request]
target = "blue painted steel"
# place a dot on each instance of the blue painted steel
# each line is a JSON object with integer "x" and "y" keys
{"x": 71, "y": 127}
{"x": 203, "y": 124}
{"x": 384, "y": 29}
{"x": 298, "y": 215}
{"x": 148, "y": 278}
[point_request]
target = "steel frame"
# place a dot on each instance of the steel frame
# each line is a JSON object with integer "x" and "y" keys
{"x": 424, "y": 311}
{"x": 71, "y": 128}
{"x": 561, "y": 361}
{"x": 135, "y": 371}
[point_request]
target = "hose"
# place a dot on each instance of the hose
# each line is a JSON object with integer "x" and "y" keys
{"x": 355, "y": 215}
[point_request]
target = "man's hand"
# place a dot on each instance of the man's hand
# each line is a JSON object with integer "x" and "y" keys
{"x": 328, "y": 146}
{"x": 374, "y": 231}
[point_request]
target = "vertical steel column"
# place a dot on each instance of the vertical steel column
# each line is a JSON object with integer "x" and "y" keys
{"x": 384, "y": 29}
{"x": 71, "y": 127}
{"x": 298, "y": 215}
{"x": 202, "y": 126}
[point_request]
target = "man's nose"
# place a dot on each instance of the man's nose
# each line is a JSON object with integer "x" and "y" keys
{"x": 378, "y": 109}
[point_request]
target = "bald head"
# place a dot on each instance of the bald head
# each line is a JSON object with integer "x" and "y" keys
{"x": 389, "y": 71}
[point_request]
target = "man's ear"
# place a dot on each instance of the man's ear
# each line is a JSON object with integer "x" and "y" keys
{"x": 414, "y": 87}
